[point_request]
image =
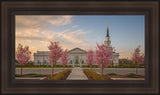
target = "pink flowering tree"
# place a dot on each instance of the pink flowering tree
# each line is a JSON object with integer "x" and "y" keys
{"x": 23, "y": 55}
{"x": 103, "y": 57}
{"x": 55, "y": 53}
{"x": 137, "y": 58}
{"x": 89, "y": 59}
{"x": 64, "y": 58}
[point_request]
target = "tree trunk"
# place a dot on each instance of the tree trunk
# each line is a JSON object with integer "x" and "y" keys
{"x": 21, "y": 69}
{"x": 63, "y": 67}
{"x": 53, "y": 68}
{"x": 102, "y": 70}
{"x": 52, "y": 71}
{"x": 137, "y": 69}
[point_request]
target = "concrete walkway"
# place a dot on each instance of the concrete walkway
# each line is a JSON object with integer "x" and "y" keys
{"x": 77, "y": 74}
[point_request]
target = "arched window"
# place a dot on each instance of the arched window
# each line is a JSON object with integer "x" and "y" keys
{"x": 76, "y": 60}
{"x": 70, "y": 61}
{"x": 82, "y": 61}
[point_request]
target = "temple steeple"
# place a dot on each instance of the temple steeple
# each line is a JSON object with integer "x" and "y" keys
{"x": 107, "y": 41}
{"x": 107, "y": 30}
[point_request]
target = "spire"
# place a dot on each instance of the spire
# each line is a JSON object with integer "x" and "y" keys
{"x": 107, "y": 30}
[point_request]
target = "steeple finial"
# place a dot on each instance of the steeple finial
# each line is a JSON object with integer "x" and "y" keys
{"x": 107, "y": 30}
{"x": 107, "y": 25}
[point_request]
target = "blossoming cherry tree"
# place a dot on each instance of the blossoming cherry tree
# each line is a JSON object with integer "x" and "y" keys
{"x": 137, "y": 58}
{"x": 64, "y": 58}
{"x": 103, "y": 57}
{"x": 23, "y": 55}
{"x": 55, "y": 53}
{"x": 89, "y": 59}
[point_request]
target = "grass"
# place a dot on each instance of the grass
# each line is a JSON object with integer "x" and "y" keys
{"x": 131, "y": 75}
{"x": 35, "y": 75}
{"x": 31, "y": 75}
{"x": 17, "y": 75}
{"x": 112, "y": 74}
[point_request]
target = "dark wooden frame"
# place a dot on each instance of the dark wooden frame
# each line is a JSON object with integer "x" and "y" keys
{"x": 149, "y": 9}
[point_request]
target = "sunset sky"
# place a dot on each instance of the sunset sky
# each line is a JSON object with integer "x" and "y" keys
{"x": 83, "y": 31}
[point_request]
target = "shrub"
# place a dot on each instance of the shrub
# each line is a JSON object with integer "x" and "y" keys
{"x": 77, "y": 66}
{"x": 112, "y": 74}
{"x": 108, "y": 66}
{"x": 116, "y": 66}
{"x": 61, "y": 75}
{"x": 126, "y": 66}
{"x": 69, "y": 66}
{"x": 92, "y": 75}
{"x": 132, "y": 75}
{"x": 94, "y": 66}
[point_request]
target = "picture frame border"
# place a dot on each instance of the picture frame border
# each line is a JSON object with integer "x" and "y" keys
{"x": 149, "y": 85}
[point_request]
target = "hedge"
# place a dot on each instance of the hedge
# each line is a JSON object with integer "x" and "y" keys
{"x": 60, "y": 76}
{"x": 92, "y": 75}
{"x": 43, "y": 66}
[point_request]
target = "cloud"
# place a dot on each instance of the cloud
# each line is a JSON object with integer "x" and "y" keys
{"x": 63, "y": 20}
{"x": 74, "y": 26}
{"x": 29, "y": 38}
{"x": 33, "y": 31}
{"x": 67, "y": 40}
{"x": 74, "y": 37}
{"x": 31, "y": 25}
{"x": 37, "y": 21}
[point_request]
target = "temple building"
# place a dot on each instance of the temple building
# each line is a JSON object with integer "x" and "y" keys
{"x": 107, "y": 42}
{"x": 77, "y": 56}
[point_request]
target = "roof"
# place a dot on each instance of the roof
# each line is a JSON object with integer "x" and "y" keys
{"x": 77, "y": 48}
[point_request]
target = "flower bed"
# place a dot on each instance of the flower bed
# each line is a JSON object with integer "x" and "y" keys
{"x": 60, "y": 76}
{"x": 92, "y": 75}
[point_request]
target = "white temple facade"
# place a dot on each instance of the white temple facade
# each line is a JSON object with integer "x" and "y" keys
{"x": 77, "y": 56}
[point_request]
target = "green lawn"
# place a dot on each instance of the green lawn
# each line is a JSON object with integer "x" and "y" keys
{"x": 31, "y": 75}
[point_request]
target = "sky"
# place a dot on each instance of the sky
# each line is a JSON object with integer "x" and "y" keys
{"x": 83, "y": 31}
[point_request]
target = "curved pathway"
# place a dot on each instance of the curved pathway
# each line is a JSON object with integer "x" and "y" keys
{"x": 77, "y": 74}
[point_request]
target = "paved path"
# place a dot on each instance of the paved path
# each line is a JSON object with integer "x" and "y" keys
{"x": 141, "y": 71}
{"x": 77, "y": 74}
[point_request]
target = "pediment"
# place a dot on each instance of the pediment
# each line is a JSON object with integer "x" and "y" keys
{"x": 77, "y": 50}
